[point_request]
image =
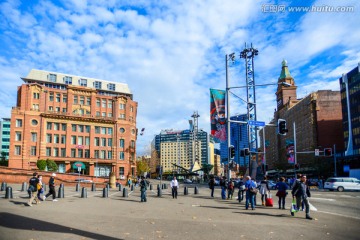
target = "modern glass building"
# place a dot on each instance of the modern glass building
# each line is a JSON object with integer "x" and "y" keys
{"x": 239, "y": 139}
{"x": 5, "y": 137}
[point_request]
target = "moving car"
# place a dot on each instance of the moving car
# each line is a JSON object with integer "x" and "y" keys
{"x": 342, "y": 183}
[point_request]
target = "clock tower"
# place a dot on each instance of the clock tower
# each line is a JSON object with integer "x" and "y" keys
{"x": 285, "y": 92}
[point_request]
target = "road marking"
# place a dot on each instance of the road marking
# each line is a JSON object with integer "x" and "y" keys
{"x": 341, "y": 215}
{"x": 326, "y": 199}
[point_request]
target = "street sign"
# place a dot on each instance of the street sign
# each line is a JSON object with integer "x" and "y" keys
{"x": 317, "y": 152}
{"x": 256, "y": 123}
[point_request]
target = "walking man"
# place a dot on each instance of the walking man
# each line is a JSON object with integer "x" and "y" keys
{"x": 250, "y": 195}
{"x": 212, "y": 185}
{"x": 52, "y": 188}
{"x": 33, "y": 189}
{"x": 302, "y": 192}
{"x": 174, "y": 187}
{"x": 223, "y": 185}
{"x": 143, "y": 188}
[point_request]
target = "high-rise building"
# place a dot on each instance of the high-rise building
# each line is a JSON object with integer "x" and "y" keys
{"x": 350, "y": 102}
{"x": 177, "y": 147}
{"x": 80, "y": 123}
{"x": 238, "y": 139}
{"x": 5, "y": 137}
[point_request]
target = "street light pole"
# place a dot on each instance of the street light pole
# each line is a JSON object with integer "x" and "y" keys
{"x": 231, "y": 57}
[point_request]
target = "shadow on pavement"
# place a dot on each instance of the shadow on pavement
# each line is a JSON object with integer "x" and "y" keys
{"x": 20, "y": 222}
{"x": 251, "y": 212}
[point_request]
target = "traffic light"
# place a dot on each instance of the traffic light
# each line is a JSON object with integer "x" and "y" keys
{"x": 282, "y": 130}
{"x": 327, "y": 152}
{"x": 232, "y": 152}
{"x": 246, "y": 151}
{"x": 242, "y": 153}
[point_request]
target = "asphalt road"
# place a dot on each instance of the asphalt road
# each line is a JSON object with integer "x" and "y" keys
{"x": 188, "y": 217}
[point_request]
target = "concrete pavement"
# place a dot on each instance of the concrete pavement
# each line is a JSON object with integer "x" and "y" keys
{"x": 188, "y": 217}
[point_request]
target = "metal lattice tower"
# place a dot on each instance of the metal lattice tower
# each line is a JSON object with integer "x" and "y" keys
{"x": 248, "y": 54}
{"x": 196, "y": 154}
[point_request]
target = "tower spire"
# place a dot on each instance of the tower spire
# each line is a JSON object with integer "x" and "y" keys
{"x": 285, "y": 94}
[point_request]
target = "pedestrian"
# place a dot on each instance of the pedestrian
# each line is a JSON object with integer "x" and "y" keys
{"x": 212, "y": 185}
{"x": 250, "y": 188}
{"x": 143, "y": 188}
{"x": 40, "y": 189}
{"x": 264, "y": 190}
{"x": 230, "y": 188}
{"x": 302, "y": 193}
{"x": 33, "y": 189}
{"x": 223, "y": 185}
{"x": 174, "y": 187}
{"x": 295, "y": 183}
{"x": 281, "y": 193}
{"x": 51, "y": 188}
{"x": 241, "y": 190}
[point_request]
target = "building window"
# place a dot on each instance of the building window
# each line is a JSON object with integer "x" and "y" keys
{"x": 81, "y": 128}
{"x": 103, "y": 114}
{"x": 75, "y": 99}
{"x": 36, "y": 95}
{"x": 103, "y": 130}
{"x": 122, "y": 116}
{"x": 111, "y": 86}
{"x": 48, "y": 151}
{"x": 80, "y": 153}
{"x": 110, "y": 131}
{"x": 73, "y": 127}
{"x": 109, "y": 155}
{"x": 51, "y": 108}
{"x": 48, "y": 138}
{"x": 80, "y": 140}
{"x": 63, "y": 152}
{"x": 109, "y": 142}
{"x": 121, "y": 171}
{"x": 49, "y": 126}
{"x": 87, "y": 153}
{"x": 63, "y": 139}
{"x": 102, "y": 154}
{"x": 110, "y": 115}
{"x": 98, "y": 102}
{"x": 52, "y": 77}
{"x": 131, "y": 109}
{"x": 122, "y": 143}
{"x": 64, "y": 110}
{"x": 121, "y": 155}
{"x": 88, "y": 101}
{"x": 133, "y": 131}
{"x": 18, "y": 123}
{"x": 87, "y": 141}
{"x": 67, "y": 80}
{"x": 17, "y": 136}
{"x": 97, "y": 85}
{"x": 57, "y": 109}
{"x": 82, "y": 100}
{"x": 122, "y": 130}
{"x": 56, "y": 126}
{"x": 103, "y": 103}
{"x": 33, "y": 151}
{"x": 51, "y": 96}
{"x": 97, "y": 141}
{"x": 57, "y": 97}
{"x": 17, "y": 150}
{"x": 122, "y": 106}
{"x": 64, "y": 98}
{"x": 96, "y": 154}
{"x": 34, "y": 137}
{"x": 73, "y": 139}
{"x": 73, "y": 152}
{"x": 63, "y": 126}
{"x": 103, "y": 142}
{"x": 87, "y": 129}
{"x": 110, "y": 104}
{"x": 97, "y": 113}
{"x": 56, "y": 138}
{"x": 97, "y": 129}
{"x": 132, "y": 144}
{"x": 56, "y": 152}
{"x": 83, "y": 82}
{"x": 35, "y": 107}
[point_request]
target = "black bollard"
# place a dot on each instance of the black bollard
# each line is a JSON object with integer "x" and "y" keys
{"x": 132, "y": 187}
{"x": 196, "y": 190}
{"x": 151, "y": 187}
{"x": 61, "y": 192}
{"x": 3, "y": 186}
{"x": 159, "y": 192}
{"x": 125, "y": 192}
{"x": 105, "y": 192}
{"x": 162, "y": 186}
{"x": 8, "y": 193}
{"x": 77, "y": 188}
{"x": 93, "y": 187}
{"x": 24, "y": 187}
{"x": 120, "y": 187}
{"x": 186, "y": 191}
{"x": 84, "y": 192}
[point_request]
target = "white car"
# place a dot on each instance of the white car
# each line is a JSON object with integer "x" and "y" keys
{"x": 342, "y": 183}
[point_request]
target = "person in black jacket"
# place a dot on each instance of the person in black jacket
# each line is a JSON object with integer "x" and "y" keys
{"x": 33, "y": 189}
{"x": 51, "y": 188}
{"x": 302, "y": 192}
{"x": 212, "y": 185}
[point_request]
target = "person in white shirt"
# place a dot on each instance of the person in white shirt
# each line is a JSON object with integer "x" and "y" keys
{"x": 174, "y": 187}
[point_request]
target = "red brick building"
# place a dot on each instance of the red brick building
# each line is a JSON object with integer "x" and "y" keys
{"x": 76, "y": 122}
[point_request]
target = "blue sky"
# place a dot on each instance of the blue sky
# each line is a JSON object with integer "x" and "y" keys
{"x": 172, "y": 52}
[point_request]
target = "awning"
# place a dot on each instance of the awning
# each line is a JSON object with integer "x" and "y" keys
{"x": 76, "y": 165}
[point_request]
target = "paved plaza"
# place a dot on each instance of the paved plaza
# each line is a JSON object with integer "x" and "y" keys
{"x": 195, "y": 216}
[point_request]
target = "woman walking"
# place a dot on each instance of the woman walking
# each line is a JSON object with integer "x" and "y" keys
{"x": 264, "y": 190}
{"x": 281, "y": 193}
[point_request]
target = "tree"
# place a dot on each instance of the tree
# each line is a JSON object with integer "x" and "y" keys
{"x": 51, "y": 165}
{"x": 142, "y": 167}
{"x": 41, "y": 164}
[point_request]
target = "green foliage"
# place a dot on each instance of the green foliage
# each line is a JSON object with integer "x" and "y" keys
{"x": 207, "y": 168}
{"x": 41, "y": 164}
{"x": 51, "y": 165}
{"x": 142, "y": 167}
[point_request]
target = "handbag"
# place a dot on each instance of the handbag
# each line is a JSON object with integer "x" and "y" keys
{"x": 254, "y": 190}
{"x": 294, "y": 207}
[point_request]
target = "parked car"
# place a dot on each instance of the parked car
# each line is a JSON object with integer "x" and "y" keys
{"x": 342, "y": 183}
{"x": 187, "y": 181}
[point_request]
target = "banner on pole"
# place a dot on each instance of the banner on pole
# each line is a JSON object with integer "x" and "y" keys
{"x": 217, "y": 115}
{"x": 290, "y": 153}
